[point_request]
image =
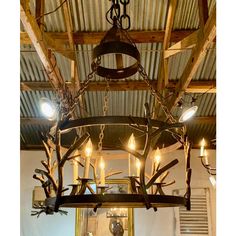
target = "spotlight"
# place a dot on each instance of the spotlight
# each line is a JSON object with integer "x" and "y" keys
{"x": 187, "y": 114}
{"x": 48, "y": 108}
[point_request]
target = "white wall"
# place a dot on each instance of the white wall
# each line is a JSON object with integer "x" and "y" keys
{"x": 147, "y": 223}
{"x": 57, "y": 224}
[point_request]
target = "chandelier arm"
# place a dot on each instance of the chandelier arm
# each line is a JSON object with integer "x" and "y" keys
{"x": 49, "y": 176}
{"x": 164, "y": 128}
{"x": 210, "y": 172}
{"x": 136, "y": 125}
{"x": 47, "y": 194}
{"x": 48, "y": 152}
{"x": 164, "y": 176}
{"x": 74, "y": 157}
{"x": 168, "y": 184}
{"x": 113, "y": 173}
{"x": 94, "y": 171}
{"x": 208, "y": 167}
{"x": 77, "y": 144}
{"x": 187, "y": 150}
{"x": 160, "y": 171}
{"x": 130, "y": 151}
{"x": 46, "y": 166}
{"x": 137, "y": 128}
{"x": 90, "y": 188}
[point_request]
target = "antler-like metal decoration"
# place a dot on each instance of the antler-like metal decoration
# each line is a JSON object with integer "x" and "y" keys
{"x": 45, "y": 209}
{"x": 150, "y": 135}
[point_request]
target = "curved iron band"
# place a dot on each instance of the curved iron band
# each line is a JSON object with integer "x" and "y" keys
{"x": 114, "y": 120}
{"x": 122, "y": 200}
{"x": 117, "y": 48}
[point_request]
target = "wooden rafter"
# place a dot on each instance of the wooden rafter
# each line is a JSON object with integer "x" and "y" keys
{"x": 74, "y": 63}
{"x": 36, "y": 37}
{"x": 39, "y": 11}
{"x": 198, "y": 53}
{"x": 194, "y": 86}
{"x": 203, "y": 12}
{"x": 169, "y": 25}
{"x": 186, "y": 43}
{"x": 141, "y": 36}
{"x": 163, "y": 64}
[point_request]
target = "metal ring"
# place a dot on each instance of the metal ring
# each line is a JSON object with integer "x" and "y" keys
{"x": 121, "y": 20}
{"x": 117, "y": 48}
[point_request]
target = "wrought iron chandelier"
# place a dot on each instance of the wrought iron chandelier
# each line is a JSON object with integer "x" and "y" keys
{"x": 145, "y": 189}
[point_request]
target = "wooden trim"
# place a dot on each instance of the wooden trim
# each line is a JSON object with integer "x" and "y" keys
{"x": 186, "y": 43}
{"x": 194, "y": 86}
{"x": 74, "y": 63}
{"x": 209, "y": 33}
{"x": 169, "y": 25}
{"x": 89, "y": 37}
{"x": 38, "y": 41}
{"x": 203, "y": 12}
{"x": 39, "y": 11}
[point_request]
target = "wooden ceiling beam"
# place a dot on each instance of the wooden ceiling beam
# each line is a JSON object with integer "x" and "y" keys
{"x": 189, "y": 42}
{"x": 40, "y": 46}
{"x": 39, "y": 11}
{"x": 194, "y": 86}
{"x": 74, "y": 63}
{"x": 198, "y": 53}
{"x": 203, "y": 12}
{"x": 142, "y": 36}
{"x": 166, "y": 43}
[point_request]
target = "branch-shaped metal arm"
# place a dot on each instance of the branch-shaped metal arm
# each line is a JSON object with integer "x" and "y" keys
{"x": 77, "y": 144}
{"x": 166, "y": 127}
{"x": 112, "y": 173}
{"x": 132, "y": 152}
{"x": 49, "y": 176}
{"x": 160, "y": 171}
{"x": 44, "y": 184}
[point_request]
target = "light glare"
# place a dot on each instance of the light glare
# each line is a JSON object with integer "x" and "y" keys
{"x": 188, "y": 114}
{"x": 48, "y": 109}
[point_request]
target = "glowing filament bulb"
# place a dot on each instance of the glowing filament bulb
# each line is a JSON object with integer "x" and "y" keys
{"x": 131, "y": 143}
{"x": 203, "y": 143}
{"x": 157, "y": 156}
{"x": 88, "y": 148}
{"x": 138, "y": 165}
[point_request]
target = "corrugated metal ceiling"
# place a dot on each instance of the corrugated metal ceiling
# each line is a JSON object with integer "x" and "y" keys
{"x": 89, "y": 15}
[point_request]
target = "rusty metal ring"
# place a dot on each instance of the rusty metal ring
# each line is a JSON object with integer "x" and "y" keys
{"x": 117, "y": 48}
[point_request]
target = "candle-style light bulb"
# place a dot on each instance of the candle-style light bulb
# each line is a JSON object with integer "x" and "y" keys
{"x": 88, "y": 152}
{"x": 157, "y": 156}
{"x": 156, "y": 160}
{"x": 102, "y": 171}
{"x": 203, "y": 143}
{"x": 206, "y": 157}
{"x": 88, "y": 148}
{"x": 138, "y": 165}
{"x": 131, "y": 143}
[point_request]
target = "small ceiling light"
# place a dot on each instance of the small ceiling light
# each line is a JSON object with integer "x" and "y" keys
{"x": 187, "y": 114}
{"x": 48, "y": 108}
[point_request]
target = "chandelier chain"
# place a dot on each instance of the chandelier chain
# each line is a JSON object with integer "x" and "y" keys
{"x": 105, "y": 109}
{"x": 156, "y": 94}
{"x": 86, "y": 83}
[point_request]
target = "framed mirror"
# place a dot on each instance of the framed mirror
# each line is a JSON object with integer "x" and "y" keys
{"x": 106, "y": 221}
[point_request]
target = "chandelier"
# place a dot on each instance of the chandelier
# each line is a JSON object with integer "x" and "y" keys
{"x": 145, "y": 189}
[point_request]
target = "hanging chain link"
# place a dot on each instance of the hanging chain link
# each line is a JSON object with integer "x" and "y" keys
{"x": 81, "y": 91}
{"x": 105, "y": 109}
{"x": 160, "y": 100}
{"x": 156, "y": 94}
